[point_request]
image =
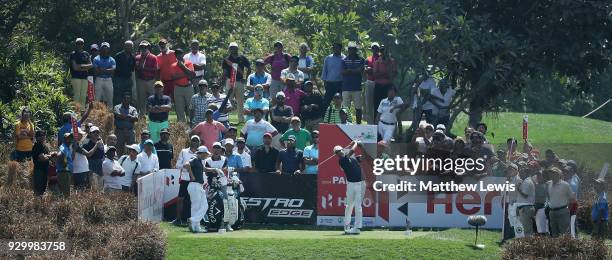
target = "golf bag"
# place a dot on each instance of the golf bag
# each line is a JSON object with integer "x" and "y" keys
{"x": 224, "y": 204}
{"x": 237, "y": 189}
{"x": 216, "y": 210}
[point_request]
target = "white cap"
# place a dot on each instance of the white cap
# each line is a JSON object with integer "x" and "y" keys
{"x": 194, "y": 137}
{"x": 374, "y": 44}
{"x": 337, "y": 148}
{"x": 108, "y": 148}
{"x": 352, "y": 45}
{"x": 93, "y": 129}
{"x": 233, "y": 44}
{"x": 280, "y": 94}
{"x": 129, "y": 42}
{"x": 202, "y": 149}
{"x": 217, "y": 144}
{"x": 441, "y": 126}
{"x": 134, "y": 147}
{"x": 105, "y": 44}
{"x": 79, "y": 40}
{"x": 228, "y": 141}
{"x": 203, "y": 82}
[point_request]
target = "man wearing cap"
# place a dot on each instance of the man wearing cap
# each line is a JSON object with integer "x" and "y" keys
{"x": 279, "y": 60}
{"x": 166, "y": 62}
{"x": 218, "y": 99}
{"x": 265, "y": 157}
{"x": 165, "y": 151}
{"x": 209, "y": 131}
{"x": 442, "y": 96}
{"x": 386, "y": 115}
{"x": 144, "y": 136}
{"x": 332, "y": 114}
{"x": 104, "y": 66}
{"x": 255, "y": 128}
{"x": 599, "y": 210}
{"x": 198, "y": 59}
{"x": 242, "y": 63}
{"x": 331, "y": 73}
{"x": 301, "y": 135}
{"x": 311, "y": 105}
{"x": 197, "y": 180}
{"x": 257, "y": 101}
{"x": 216, "y": 167}
{"x": 525, "y": 202}
{"x": 182, "y": 75}
{"x": 186, "y": 155}
{"x": 298, "y": 75}
{"x": 233, "y": 160}
{"x": 113, "y": 172}
{"x": 125, "y": 118}
{"x": 231, "y": 133}
{"x": 281, "y": 114}
{"x": 94, "y": 50}
{"x": 353, "y": 67}
{"x": 512, "y": 177}
{"x": 149, "y": 162}
{"x": 293, "y": 95}
{"x": 199, "y": 103}
{"x": 93, "y": 149}
{"x": 570, "y": 175}
{"x": 40, "y": 158}
{"x": 311, "y": 154}
{"x": 158, "y": 105}
{"x": 290, "y": 160}
{"x": 355, "y": 187}
{"x": 146, "y": 71}
{"x": 63, "y": 165}
{"x": 244, "y": 153}
{"x": 129, "y": 163}
{"x": 80, "y": 63}
{"x": 305, "y": 62}
{"x": 67, "y": 125}
{"x": 559, "y": 197}
{"x": 126, "y": 63}
{"x": 259, "y": 77}
{"x": 369, "y": 105}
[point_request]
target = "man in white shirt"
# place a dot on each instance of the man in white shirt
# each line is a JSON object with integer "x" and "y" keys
{"x": 130, "y": 165}
{"x": 148, "y": 161}
{"x": 255, "y": 128}
{"x": 424, "y": 141}
{"x": 559, "y": 196}
{"x": 425, "y": 88}
{"x": 441, "y": 98}
{"x": 387, "y": 114}
{"x": 525, "y": 202}
{"x": 244, "y": 153}
{"x": 293, "y": 70}
{"x": 112, "y": 171}
{"x": 198, "y": 59}
{"x": 182, "y": 161}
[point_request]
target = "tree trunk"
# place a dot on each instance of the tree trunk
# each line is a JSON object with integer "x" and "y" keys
{"x": 476, "y": 109}
{"x": 123, "y": 13}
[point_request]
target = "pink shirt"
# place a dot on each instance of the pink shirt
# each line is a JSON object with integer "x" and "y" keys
{"x": 209, "y": 133}
{"x": 279, "y": 62}
{"x": 293, "y": 98}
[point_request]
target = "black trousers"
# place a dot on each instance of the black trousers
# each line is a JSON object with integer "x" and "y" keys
{"x": 331, "y": 88}
{"x": 39, "y": 181}
{"x": 380, "y": 93}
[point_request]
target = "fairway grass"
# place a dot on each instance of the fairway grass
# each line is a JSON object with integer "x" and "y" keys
{"x": 329, "y": 244}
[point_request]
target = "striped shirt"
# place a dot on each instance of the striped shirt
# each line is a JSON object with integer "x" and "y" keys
{"x": 332, "y": 115}
{"x": 199, "y": 104}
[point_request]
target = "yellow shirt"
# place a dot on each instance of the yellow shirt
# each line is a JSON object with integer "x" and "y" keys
{"x": 25, "y": 144}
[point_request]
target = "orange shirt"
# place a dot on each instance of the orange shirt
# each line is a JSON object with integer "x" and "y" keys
{"x": 183, "y": 80}
{"x": 165, "y": 63}
{"x": 25, "y": 144}
{"x": 383, "y": 70}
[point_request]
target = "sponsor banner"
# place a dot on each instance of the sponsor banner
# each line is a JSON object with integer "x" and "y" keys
{"x": 446, "y": 209}
{"x": 171, "y": 190}
{"x": 91, "y": 94}
{"x": 331, "y": 196}
{"x": 150, "y": 197}
{"x": 279, "y": 199}
{"x": 339, "y": 221}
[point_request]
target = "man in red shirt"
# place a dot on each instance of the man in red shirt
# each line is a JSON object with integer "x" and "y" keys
{"x": 384, "y": 70}
{"x": 182, "y": 73}
{"x": 370, "y": 107}
{"x": 166, "y": 60}
{"x": 146, "y": 71}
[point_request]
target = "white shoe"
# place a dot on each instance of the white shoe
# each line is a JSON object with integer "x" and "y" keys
{"x": 354, "y": 231}
{"x": 347, "y": 229}
{"x": 229, "y": 228}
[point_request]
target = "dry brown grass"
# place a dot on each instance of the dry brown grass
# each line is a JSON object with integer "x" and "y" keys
{"x": 540, "y": 247}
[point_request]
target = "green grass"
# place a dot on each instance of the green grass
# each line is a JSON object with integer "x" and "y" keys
{"x": 329, "y": 244}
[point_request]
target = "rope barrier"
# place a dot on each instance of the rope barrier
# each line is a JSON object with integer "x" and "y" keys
{"x": 599, "y": 107}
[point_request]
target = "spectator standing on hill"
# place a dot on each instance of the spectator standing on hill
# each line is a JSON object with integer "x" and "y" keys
{"x": 129, "y": 163}
{"x": 146, "y": 70}
{"x": 259, "y": 77}
{"x": 80, "y": 64}
{"x": 257, "y": 101}
{"x": 40, "y": 157}
{"x": 301, "y": 135}
{"x": 386, "y": 115}
{"x": 305, "y": 62}
{"x": 279, "y": 60}
{"x": 332, "y": 115}
{"x": 64, "y": 166}
{"x": 198, "y": 59}
{"x": 442, "y": 96}
{"x": 298, "y": 75}
{"x": 525, "y": 202}
{"x": 244, "y": 69}
{"x": 254, "y": 130}
{"x": 244, "y": 153}
{"x": 541, "y": 194}
{"x": 113, "y": 172}
{"x": 599, "y": 211}
{"x": 126, "y": 63}
{"x": 384, "y": 71}
{"x": 166, "y": 61}
{"x": 182, "y": 75}
{"x": 104, "y": 66}
{"x": 353, "y": 67}
{"x": 125, "y": 118}
{"x": 290, "y": 160}
{"x": 311, "y": 105}
{"x": 67, "y": 125}
{"x": 24, "y": 137}
{"x": 209, "y": 131}
{"x": 311, "y": 154}
{"x": 93, "y": 149}
{"x": 560, "y": 195}
{"x": 199, "y": 103}
{"x": 331, "y": 74}
{"x": 264, "y": 157}
{"x": 369, "y": 105}
{"x": 159, "y": 105}
{"x": 281, "y": 114}
{"x": 165, "y": 151}
{"x": 293, "y": 95}
{"x": 149, "y": 162}
{"x": 217, "y": 99}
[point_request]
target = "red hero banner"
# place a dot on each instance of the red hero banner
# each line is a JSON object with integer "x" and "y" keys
{"x": 90, "y": 89}
{"x": 75, "y": 129}
{"x": 233, "y": 75}
{"x": 525, "y": 127}
{"x": 331, "y": 181}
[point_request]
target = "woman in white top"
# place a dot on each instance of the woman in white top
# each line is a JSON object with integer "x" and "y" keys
{"x": 112, "y": 171}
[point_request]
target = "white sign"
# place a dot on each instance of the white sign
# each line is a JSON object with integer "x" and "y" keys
{"x": 150, "y": 197}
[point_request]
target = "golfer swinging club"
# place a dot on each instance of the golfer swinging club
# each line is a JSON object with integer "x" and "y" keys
{"x": 355, "y": 187}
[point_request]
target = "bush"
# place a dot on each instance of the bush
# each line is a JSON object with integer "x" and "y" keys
{"x": 540, "y": 247}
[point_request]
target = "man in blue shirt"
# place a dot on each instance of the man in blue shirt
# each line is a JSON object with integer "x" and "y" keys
{"x": 599, "y": 211}
{"x": 257, "y": 101}
{"x": 104, "y": 66}
{"x": 67, "y": 125}
{"x": 332, "y": 74}
{"x": 159, "y": 106}
{"x": 125, "y": 118}
{"x": 355, "y": 187}
{"x": 290, "y": 161}
{"x": 63, "y": 165}
{"x": 353, "y": 66}
{"x": 259, "y": 77}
